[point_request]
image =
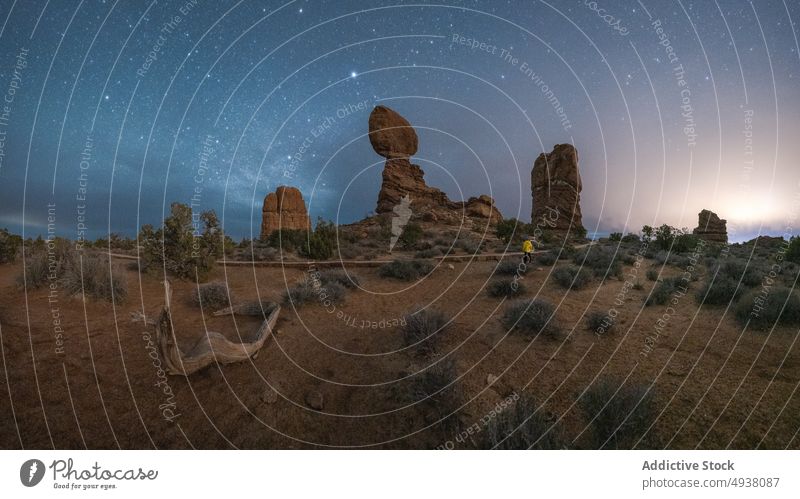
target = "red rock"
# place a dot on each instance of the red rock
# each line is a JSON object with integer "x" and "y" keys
{"x": 284, "y": 209}
{"x": 711, "y": 228}
{"x": 556, "y": 188}
{"x": 391, "y": 135}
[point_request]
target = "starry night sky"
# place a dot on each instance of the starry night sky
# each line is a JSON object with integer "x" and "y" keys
{"x": 236, "y": 90}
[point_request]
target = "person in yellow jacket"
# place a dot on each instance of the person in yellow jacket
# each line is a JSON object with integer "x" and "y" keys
{"x": 527, "y": 250}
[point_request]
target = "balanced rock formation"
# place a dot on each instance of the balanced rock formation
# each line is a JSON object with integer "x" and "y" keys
{"x": 284, "y": 209}
{"x": 393, "y": 137}
{"x": 711, "y": 228}
{"x": 556, "y": 190}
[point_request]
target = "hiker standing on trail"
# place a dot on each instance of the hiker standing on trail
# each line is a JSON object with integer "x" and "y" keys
{"x": 527, "y": 250}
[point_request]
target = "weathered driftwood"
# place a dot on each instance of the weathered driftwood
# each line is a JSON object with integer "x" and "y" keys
{"x": 213, "y": 347}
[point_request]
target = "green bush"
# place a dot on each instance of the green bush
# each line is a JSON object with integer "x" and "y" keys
{"x": 615, "y": 236}
{"x": 793, "y": 251}
{"x": 781, "y": 306}
{"x": 211, "y": 296}
{"x": 321, "y": 243}
{"x": 505, "y": 288}
{"x": 630, "y": 238}
{"x": 509, "y": 229}
{"x": 287, "y": 240}
{"x": 423, "y": 330}
{"x": 406, "y": 270}
{"x": 531, "y": 318}
{"x": 618, "y": 415}
{"x": 652, "y": 274}
{"x": 9, "y": 246}
{"x": 411, "y": 234}
{"x": 428, "y": 253}
{"x": 572, "y": 277}
{"x": 523, "y": 426}
{"x": 180, "y": 247}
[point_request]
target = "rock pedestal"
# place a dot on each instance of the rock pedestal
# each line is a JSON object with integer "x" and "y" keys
{"x": 711, "y": 228}
{"x": 284, "y": 209}
{"x": 556, "y": 190}
{"x": 393, "y": 137}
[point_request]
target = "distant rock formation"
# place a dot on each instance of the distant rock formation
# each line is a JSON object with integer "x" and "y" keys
{"x": 711, "y": 228}
{"x": 284, "y": 209}
{"x": 556, "y": 190}
{"x": 393, "y": 137}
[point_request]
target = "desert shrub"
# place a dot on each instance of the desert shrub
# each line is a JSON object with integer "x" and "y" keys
{"x": 411, "y": 234}
{"x": 793, "y": 251}
{"x": 439, "y": 394}
{"x": 423, "y": 330}
{"x": 510, "y": 267}
{"x": 307, "y": 292}
{"x": 46, "y": 263}
{"x": 720, "y": 291}
{"x": 406, "y": 270}
{"x": 521, "y": 426}
{"x": 638, "y": 285}
{"x": 781, "y": 306}
{"x": 599, "y": 322}
{"x": 738, "y": 269}
{"x": 509, "y": 229}
{"x": 630, "y": 238}
{"x": 628, "y": 259}
{"x": 565, "y": 252}
{"x": 339, "y": 276}
{"x": 287, "y": 240}
{"x": 547, "y": 258}
{"x": 618, "y": 415}
{"x": 256, "y": 308}
{"x": 684, "y": 242}
{"x": 211, "y": 296}
{"x": 505, "y": 288}
{"x": 662, "y": 291}
{"x": 178, "y": 247}
{"x": 428, "y": 253}
{"x": 572, "y": 277}
{"x": 9, "y": 246}
{"x": 321, "y": 243}
{"x": 35, "y": 274}
{"x": 615, "y": 236}
{"x": 93, "y": 276}
{"x": 601, "y": 260}
{"x": 468, "y": 245}
{"x": 652, "y": 274}
{"x": 532, "y": 317}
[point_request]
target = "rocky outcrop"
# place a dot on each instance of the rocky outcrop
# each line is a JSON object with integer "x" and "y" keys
{"x": 711, "y": 228}
{"x": 284, "y": 209}
{"x": 483, "y": 207}
{"x": 393, "y": 137}
{"x": 556, "y": 190}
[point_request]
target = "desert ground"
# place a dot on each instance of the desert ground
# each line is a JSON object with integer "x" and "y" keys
{"x": 341, "y": 375}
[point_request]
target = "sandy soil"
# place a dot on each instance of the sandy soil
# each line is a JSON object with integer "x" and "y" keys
{"x": 715, "y": 387}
